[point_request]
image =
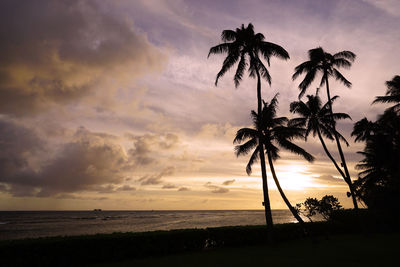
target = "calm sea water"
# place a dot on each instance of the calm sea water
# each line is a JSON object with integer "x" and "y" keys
{"x": 28, "y": 224}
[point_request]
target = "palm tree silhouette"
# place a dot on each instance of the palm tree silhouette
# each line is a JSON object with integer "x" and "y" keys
{"x": 274, "y": 132}
{"x": 378, "y": 184}
{"x": 327, "y": 64}
{"x": 364, "y": 129}
{"x": 316, "y": 119}
{"x": 392, "y": 93}
{"x": 246, "y": 48}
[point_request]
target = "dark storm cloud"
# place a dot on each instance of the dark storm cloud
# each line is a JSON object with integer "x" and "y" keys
{"x": 18, "y": 146}
{"x": 54, "y": 52}
{"x": 90, "y": 162}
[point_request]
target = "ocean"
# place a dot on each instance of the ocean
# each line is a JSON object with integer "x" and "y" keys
{"x": 33, "y": 224}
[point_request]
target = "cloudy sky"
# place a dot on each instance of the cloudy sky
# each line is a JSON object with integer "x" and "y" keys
{"x": 112, "y": 104}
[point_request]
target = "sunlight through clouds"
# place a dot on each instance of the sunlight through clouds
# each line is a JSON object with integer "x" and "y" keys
{"x": 114, "y": 102}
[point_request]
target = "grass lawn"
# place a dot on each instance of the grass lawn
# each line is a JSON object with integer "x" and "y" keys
{"x": 341, "y": 250}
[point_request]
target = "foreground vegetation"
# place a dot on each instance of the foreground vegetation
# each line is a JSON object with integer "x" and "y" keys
{"x": 358, "y": 250}
{"x": 119, "y": 247}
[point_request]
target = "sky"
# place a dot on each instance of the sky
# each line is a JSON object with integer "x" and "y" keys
{"x": 112, "y": 104}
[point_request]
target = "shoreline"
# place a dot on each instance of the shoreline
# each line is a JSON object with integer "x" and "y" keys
{"x": 20, "y": 225}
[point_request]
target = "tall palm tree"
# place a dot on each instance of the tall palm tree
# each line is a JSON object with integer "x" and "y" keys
{"x": 392, "y": 93}
{"x": 316, "y": 119}
{"x": 246, "y": 48}
{"x": 328, "y": 64}
{"x": 274, "y": 132}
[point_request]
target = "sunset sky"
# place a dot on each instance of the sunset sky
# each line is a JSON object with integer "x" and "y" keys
{"x": 112, "y": 104}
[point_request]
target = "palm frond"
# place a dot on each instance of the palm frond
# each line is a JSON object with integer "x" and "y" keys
{"x": 259, "y": 37}
{"x": 229, "y": 61}
{"x": 297, "y": 122}
{"x": 274, "y": 152}
{"x": 279, "y": 121}
{"x": 338, "y": 76}
{"x": 295, "y": 149}
{"x": 268, "y": 49}
{"x": 317, "y": 54}
{"x": 239, "y": 71}
{"x": 325, "y": 107}
{"x": 273, "y": 104}
{"x": 219, "y": 49}
{"x": 345, "y": 54}
{"x": 256, "y": 119}
{"x": 302, "y": 68}
{"x": 253, "y": 159}
{"x": 228, "y": 35}
{"x": 326, "y": 131}
{"x": 245, "y": 133}
{"x": 308, "y": 79}
{"x": 264, "y": 71}
{"x": 340, "y": 116}
{"x": 341, "y": 137}
{"x": 288, "y": 132}
{"x": 387, "y": 99}
{"x": 245, "y": 148}
{"x": 299, "y": 107}
{"x": 323, "y": 79}
{"x": 308, "y": 129}
{"x": 342, "y": 63}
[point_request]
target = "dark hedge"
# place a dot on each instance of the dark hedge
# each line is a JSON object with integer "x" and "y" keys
{"x": 80, "y": 250}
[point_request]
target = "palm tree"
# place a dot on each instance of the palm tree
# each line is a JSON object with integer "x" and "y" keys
{"x": 316, "y": 119}
{"x": 246, "y": 48}
{"x": 364, "y": 129}
{"x": 392, "y": 93}
{"x": 378, "y": 184}
{"x": 274, "y": 132}
{"x": 327, "y": 64}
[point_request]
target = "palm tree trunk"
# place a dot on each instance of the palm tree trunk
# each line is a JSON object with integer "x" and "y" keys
{"x": 266, "y": 203}
{"x": 294, "y": 212}
{"x": 348, "y": 179}
{"x": 329, "y": 154}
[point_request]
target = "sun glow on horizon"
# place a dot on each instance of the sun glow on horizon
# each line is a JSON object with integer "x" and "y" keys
{"x": 294, "y": 177}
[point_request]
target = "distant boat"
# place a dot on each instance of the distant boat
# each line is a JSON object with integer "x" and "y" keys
{"x": 97, "y": 210}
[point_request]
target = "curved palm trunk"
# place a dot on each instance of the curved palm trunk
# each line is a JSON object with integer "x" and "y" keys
{"x": 348, "y": 179}
{"x": 329, "y": 154}
{"x": 267, "y": 204}
{"x": 294, "y": 212}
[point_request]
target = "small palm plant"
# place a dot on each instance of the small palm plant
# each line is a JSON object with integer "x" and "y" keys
{"x": 273, "y": 132}
{"x": 316, "y": 120}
